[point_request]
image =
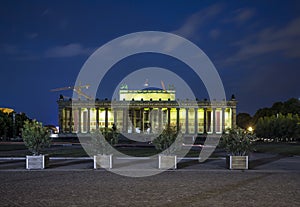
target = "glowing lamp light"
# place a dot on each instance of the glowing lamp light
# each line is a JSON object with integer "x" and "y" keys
{"x": 250, "y": 129}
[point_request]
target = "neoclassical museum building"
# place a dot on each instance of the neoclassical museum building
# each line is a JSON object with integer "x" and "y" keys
{"x": 146, "y": 111}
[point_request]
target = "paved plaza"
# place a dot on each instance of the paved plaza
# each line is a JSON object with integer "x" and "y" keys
{"x": 171, "y": 188}
{"x": 272, "y": 180}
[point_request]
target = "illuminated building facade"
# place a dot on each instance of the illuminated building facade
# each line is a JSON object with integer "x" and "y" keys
{"x": 6, "y": 110}
{"x": 146, "y": 111}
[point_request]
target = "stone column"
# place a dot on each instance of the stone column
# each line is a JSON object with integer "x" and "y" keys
{"x": 150, "y": 119}
{"x": 196, "y": 120}
{"x": 70, "y": 120}
{"x": 205, "y": 121}
{"x": 115, "y": 117}
{"x": 65, "y": 120}
{"x": 178, "y": 119}
{"x": 233, "y": 117}
{"x": 60, "y": 119}
{"x": 159, "y": 119}
{"x": 106, "y": 117}
{"x": 79, "y": 120}
{"x": 223, "y": 119}
{"x": 133, "y": 120}
{"x": 186, "y": 120}
{"x": 125, "y": 120}
{"x": 88, "y": 120}
{"x": 169, "y": 116}
{"x": 130, "y": 120}
{"x": 214, "y": 120}
{"x": 142, "y": 119}
{"x": 97, "y": 118}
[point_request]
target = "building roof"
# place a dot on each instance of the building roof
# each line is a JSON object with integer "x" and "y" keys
{"x": 6, "y": 110}
{"x": 152, "y": 88}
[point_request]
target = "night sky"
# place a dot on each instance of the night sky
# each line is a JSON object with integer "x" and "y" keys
{"x": 254, "y": 45}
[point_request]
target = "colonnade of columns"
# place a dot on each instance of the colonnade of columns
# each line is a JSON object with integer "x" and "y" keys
{"x": 138, "y": 120}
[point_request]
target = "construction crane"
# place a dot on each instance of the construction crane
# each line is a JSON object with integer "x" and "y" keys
{"x": 77, "y": 89}
{"x": 146, "y": 84}
{"x": 163, "y": 85}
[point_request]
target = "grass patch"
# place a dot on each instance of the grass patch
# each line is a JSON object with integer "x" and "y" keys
{"x": 20, "y": 150}
{"x": 146, "y": 152}
{"x": 11, "y": 147}
{"x": 67, "y": 152}
{"x": 287, "y": 149}
{"x": 138, "y": 152}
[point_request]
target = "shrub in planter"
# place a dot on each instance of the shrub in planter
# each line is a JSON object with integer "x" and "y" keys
{"x": 102, "y": 141}
{"x": 169, "y": 142}
{"x": 237, "y": 143}
{"x": 36, "y": 138}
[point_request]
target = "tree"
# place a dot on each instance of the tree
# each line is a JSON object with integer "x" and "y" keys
{"x": 102, "y": 140}
{"x": 10, "y": 128}
{"x": 237, "y": 142}
{"x": 244, "y": 120}
{"x": 169, "y": 141}
{"x": 19, "y": 122}
{"x": 35, "y": 136}
{"x": 291, "y": 106}
{"x": 4, "y": 125}
{"x": 279, "y": 127}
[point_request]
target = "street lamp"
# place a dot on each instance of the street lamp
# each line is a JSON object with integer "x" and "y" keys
{"x": 250, "y": 129}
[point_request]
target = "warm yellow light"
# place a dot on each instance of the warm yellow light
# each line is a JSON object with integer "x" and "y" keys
{"x": 250, "y": 129}
{"x": 6, "y": 110}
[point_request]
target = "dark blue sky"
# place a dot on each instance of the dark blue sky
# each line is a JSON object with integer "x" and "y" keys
{"x": 43, "y": 45}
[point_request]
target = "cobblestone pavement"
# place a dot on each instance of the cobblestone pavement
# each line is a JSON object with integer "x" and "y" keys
{"x": 171, "y": 188}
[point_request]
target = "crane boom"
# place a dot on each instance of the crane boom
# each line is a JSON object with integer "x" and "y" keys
{"x": 163, "y": 85}
{"x": 77, "y": 89}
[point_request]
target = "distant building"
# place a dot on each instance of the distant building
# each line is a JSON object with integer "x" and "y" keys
{"x": 146, "y": 111}
{"x": 6, "y": 110}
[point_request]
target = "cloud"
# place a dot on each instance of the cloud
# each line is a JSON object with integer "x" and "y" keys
{"x": 191, "y": 26}
{"x": 244, "y": 15}
{"x": 45, "y": 12}
{"x": 9, "y": 49}
{"x": 140, "y": 41}
{"x": 70, "y": 50}
{"x": 240, "y": 16}
{"x": 18, "y": 53}
{"x": 63, "y": 24}
{"x": 282, "y": 40}
{"x": 31, "y": 35}
{"x": 215, "y": 33}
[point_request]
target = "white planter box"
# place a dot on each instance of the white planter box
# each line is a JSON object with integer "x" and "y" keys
{"x": 237, "y": 162}
{"x": 37, "y": 162}
{"x": 167, "y": 162}
{"x": 103, "y": 161}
